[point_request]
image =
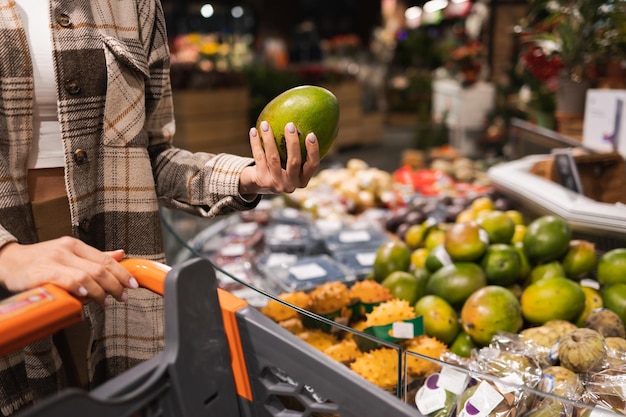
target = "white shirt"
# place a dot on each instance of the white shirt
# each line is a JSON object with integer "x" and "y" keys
{"x": 47, "y": 147}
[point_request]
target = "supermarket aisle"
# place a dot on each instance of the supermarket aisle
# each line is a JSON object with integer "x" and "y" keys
{"x": 386, "y": 155}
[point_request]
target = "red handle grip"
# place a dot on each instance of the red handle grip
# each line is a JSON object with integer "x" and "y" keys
{"x": 34, "y": 314}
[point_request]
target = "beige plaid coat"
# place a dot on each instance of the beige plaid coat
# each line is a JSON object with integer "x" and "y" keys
{"x": 114, "y": 103}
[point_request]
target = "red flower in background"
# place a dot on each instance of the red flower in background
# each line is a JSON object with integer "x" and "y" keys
{"x": 541, "y": 66}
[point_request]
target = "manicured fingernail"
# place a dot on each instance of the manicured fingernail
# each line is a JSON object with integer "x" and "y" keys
{"x": 132, "y": 283}
{"x": 311, "y": 137}
{"x": 253, "y": 132}
{"x": 124, "y": 297}
{"x": 107, "y": 302}
{"x": 265, "y": 126}
{"x": 291, "y": 128}
{"x": 83, "y": 291}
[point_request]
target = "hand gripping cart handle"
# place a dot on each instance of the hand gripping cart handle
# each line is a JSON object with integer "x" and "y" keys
{"x": 222, "y": 357}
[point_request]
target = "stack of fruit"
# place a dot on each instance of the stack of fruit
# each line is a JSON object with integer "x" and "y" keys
{"x": 488, "y": 274}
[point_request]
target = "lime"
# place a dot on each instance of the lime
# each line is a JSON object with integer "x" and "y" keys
{"x": 437, "y": 258}
{"x": 502, "y": 264}
{"x": 524, "y": 270}
{"x": 414, "y": 235}
{"x": 516, "y": 216}
{"x": 434, "y": 237}
{"x": 311, "y": 109}
{"x": 483, "y": 204}
{"x": 555, "y": 298}
{"x": 614, "y": 298}
{"x": 593, "y": 300}
{"x": 518, "y": 235}
{"x": 612, "y": 267}
{"x": 462, "y": 344}
{"x": 418, "y": 257}
{"x": 547, "y": 238}
{"x": 439, "y": 317}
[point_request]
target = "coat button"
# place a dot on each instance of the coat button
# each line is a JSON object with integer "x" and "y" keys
{"x": 64, "y": 20}
{"x": 72, "y": 87}
{"x": 85, "y": 225}
{"x": 80, "y": 156}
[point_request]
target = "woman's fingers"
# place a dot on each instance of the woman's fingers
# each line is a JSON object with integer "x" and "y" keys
{"x": 294, "y": 158}
{"x": 69, "y": 263}
{"x": 272, "y": 156}
{"x": 312, "y": 163}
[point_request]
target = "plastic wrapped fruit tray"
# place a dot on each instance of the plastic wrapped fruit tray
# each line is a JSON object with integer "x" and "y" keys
{"x": 604, "y": 223}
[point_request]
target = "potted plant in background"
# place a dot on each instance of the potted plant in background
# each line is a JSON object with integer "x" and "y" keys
{"x": 567, "y": 28}
{"x": 539, "y": 72}
{"x": 611, "y": 44}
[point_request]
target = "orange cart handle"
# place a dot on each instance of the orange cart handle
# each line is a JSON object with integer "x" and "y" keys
{"x": 34, "y": 314}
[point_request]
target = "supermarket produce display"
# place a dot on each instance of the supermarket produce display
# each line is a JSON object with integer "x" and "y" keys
{"x": 512, "y": 315}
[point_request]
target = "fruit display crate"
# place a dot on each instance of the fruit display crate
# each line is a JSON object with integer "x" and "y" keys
{"x": 602, "y": 223}
{"x": 223, "y": 357}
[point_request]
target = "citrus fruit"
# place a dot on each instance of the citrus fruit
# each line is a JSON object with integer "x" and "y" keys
{"x": 414, "y": 235}
{"x": 579, "y": 259}
{"x": 516, "y": 216}
{"x": 614, "y": 298}
{"x": 499, "y": 227}
{"x": 593, "y": 300}
{"x": 612, "y": 267}
{"x": 434, "y": 237}
{"x": 465, "y": 216}
{"x": 418, "y": 257}
{"x": 465, "y": 241}
{"x": 405, "y": 285}
{"x": 547, "y": 270}
{"x": 439, "y": 317}
{"x": 547, "y": 238}
{"x": 489, "y": 310}
{"x": 518, "y": 235}
{"x": 437, "y": 258}
{"x": 391, "y": 256}
{"x": 311, "y": 108}
{"x": 524, "y": 269}
{"x": 462, "y": 344}
{"x": 482, "y": 204}
{"x": 455, "y": 282}
{"x": 555, "y": 298}
{"x": 501, "y": 264}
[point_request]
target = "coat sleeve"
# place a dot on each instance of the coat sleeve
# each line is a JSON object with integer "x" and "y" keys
{"x": 201, "y": 183}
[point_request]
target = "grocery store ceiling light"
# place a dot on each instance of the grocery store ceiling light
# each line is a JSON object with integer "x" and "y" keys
{"x": 207, "y": 10}
{"x": 435, "y": 5}
{"x": 236, "y": 12}
{"x": 412, "y": 16}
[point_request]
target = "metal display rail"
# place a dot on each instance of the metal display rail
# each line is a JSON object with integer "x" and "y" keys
{"x": 222, "y": 357}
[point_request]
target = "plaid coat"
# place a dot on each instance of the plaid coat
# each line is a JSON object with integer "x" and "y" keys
{"x": 114, "y": 104}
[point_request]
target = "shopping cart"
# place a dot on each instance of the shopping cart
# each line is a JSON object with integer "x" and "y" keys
{"x": 222, "y": 357}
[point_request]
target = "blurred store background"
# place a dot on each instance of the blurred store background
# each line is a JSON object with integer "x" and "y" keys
{"x": 444, "y": 71}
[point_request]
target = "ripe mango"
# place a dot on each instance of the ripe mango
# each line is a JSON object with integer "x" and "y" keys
{"x": 312, "y": 109}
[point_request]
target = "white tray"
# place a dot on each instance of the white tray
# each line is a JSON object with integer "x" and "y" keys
{"x": 546, "y": 197}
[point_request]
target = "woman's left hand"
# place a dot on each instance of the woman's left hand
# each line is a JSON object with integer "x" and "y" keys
{"x": 267, "y": 175}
